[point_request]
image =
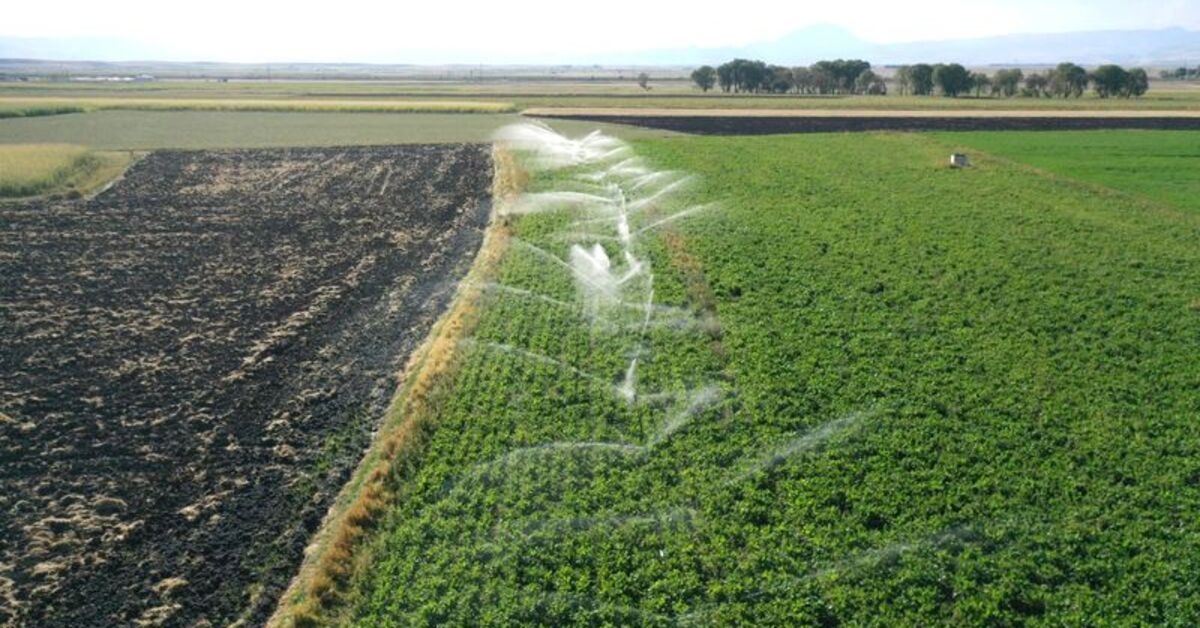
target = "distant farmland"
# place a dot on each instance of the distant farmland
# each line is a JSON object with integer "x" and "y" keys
{"x": 524, "y": 94}
{"x": 36, "y": 106}
{"x": 145, "y": 130}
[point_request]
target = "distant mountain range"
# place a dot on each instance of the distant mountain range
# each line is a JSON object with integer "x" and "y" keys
{"x": 1165, "y": 47}
{"x": 1152, "y": 48}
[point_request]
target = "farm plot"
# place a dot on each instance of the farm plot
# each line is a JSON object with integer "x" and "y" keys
{"x": 192, "y": 362}
{"x": 148, "y": 130}
{"x": 1158, "y": 167}
{"x": 860, "y": 388}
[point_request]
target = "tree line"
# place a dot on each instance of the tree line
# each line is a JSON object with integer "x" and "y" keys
{"x": 855, "y": 76}
{"x": 1180, "y": 74}
{"x": 824, "y": 77}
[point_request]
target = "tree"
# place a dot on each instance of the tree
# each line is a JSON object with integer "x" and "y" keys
{"x": 704, "y": 77}
{"x": 643, "y": 81}
{"x": 1008, "y": 82}
{"x": 921, "y": 78}
{"x": 1035, "y": 85}
{"x": 823, "y": 81}
{"x": 953, "y": 79}
{"x": 1180, "y": 73}
{"x": 803, "y": 81}
{"x": 1109, "y": 80}
{"x": 871, "y": 84}
{"x": 1068, "y": 80}
{"x": 1114, "y": 80}
{"x": 756, "y": 76}
{"x": 839, "y": 76}
{"x": 743, "y": 75}
{"x": 980, "y": 82}
{"x": 1136, "y": 83}
{"x": 849, "y": 71}
{"x": 725, "y": 76}
{"x": 904, "y": 79}
{"x": 779, "y": 79}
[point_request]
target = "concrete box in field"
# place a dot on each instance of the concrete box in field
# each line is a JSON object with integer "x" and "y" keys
{"x": 959, "y": 160}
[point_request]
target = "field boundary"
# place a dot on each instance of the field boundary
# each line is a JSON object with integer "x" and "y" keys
{"x": 339, "y": 548}
{"x": 770, "y": 122}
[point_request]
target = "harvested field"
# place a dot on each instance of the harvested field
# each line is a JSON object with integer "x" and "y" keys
{"x": 192, "y": 363}
{"x": 765, "y": 122}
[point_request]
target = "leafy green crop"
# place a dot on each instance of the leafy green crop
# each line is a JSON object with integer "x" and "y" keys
{"x": 953, "y": 397}
{"x": 1164, "y": 167}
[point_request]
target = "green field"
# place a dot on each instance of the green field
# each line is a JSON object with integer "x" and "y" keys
{"x": 962, "y": 397}
{"x": 140, "y": 130}
{"x": 1163, "y": 167}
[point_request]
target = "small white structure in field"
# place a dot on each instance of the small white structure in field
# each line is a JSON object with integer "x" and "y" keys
{"x": 959, "y": 160}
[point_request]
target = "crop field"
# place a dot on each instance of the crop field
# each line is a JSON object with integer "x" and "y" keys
{"x": 32, "y": 169}
{"x": 37, "y": 106}
{"x": 1161, "y": 167}
{"x": 192, "y": 362}
{"x": 838, "y": 383}
{"x": 147, "y": 130}
{"x": 28, "y": 169}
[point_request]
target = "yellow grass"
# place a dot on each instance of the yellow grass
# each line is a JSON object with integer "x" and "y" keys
{"x": 18, "y": 104}
{"x": 27, "y": 169}
{"x": 33, "y": 169}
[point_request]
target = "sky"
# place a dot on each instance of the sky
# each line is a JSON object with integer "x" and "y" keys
{"x": 522, "y": 30}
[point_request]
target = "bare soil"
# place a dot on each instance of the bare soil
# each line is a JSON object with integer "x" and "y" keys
{"x": 192, "y": 362}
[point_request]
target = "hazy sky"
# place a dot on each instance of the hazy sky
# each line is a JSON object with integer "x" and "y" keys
{"x": 356, "y": 30}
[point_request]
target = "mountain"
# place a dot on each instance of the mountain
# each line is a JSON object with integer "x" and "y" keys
{"x": 817, "y": 42}
{"x": 803, "y": 47}
{"x": 1173, "y": 46}
{"x": 820, "y": 41}
{"x": 1128, "y": 47}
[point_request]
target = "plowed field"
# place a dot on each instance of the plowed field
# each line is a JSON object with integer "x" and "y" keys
{"x": 192, "y": 362}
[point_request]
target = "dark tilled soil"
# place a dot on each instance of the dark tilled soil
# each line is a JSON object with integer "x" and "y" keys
{"x": 765, "y": 125}
{"x": 192, "y": 362}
